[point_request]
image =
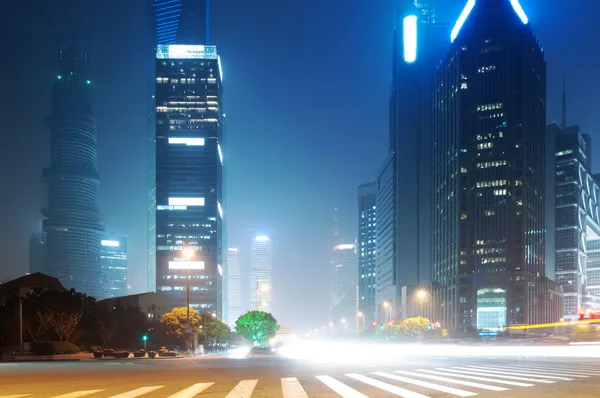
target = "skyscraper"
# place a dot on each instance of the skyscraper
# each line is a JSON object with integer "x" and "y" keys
{"x": 344, "y": 306}
{"x": 488, "y": 172}
{"x": 234, "y": 286}
{"x": 189, "y": 161}
{"x": 261, "y": 274}
{"x": 367, "y": 254}
{"x": 72, "y": 217}
{"x": 113, "y": 258}
{"x": 168, "y": 14}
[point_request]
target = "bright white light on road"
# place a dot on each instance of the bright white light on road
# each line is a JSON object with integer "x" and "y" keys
{"x": 239, "y": 353}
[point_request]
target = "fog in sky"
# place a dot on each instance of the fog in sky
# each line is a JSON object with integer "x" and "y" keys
{"x": 306, "y": 86}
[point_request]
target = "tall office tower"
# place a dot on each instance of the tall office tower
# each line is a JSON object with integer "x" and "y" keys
{"x": 151, "y": 204}
{"x": 234, "y": 286}
{"x": 168, "y": 15}
{"x": 387, "y": 292}
{"x": 577, "y": 196}
{"x": 189, "y": 161}
{"x": 72, "y": 218}
{"x": 344, "y": 305}
{"x": 37, "y": 252}
{"x": 261, "y": 274}
{"x": 488, "y": 172}
{"x": 419, "y": 46}
{"x": 367, "y": 254}
{"x": 113, "y": 258}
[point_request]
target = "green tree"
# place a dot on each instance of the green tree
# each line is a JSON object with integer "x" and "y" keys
{"x": 257, "y": 326}
{"x": 413, "y": 326}
{"x": 176, "y": 322}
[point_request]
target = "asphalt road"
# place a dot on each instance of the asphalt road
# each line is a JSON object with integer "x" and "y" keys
{"x": 411, "y": 377}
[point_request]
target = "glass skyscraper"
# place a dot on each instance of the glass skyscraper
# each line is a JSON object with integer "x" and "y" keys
{"x": 344, "y": 311}
{"x": 367, "y": 253}
{"x": 189, "y": 162}
{"x": 261, "y": 274}
{"x": 489, "y": 172}
{"x": 72, "y": 217}
{"x": 113, "y": 258}
{"x": 234, "y": 286}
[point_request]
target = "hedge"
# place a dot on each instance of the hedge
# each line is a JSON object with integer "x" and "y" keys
{"x": 53, "y": 348}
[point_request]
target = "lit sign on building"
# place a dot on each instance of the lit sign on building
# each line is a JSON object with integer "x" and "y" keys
{"x": 193, "y": 265}
{"x": 182, "y": 51}
{"x": 220, "y": 210}
{"x": 110, "y": 243}
{"x": 469, "y": 7}
{"x": 262, "y": 238}
{"x": 189, "y": 141}
{"x": 186, "y": 201}
{"x": 410, "y": 39}
{"x": 344, "y": 247}
{"x": 167, "y": 207}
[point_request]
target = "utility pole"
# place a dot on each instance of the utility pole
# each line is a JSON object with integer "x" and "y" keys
{"x": 21, "y": 324}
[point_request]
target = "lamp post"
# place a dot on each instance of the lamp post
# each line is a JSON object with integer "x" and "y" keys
{"x": 205, "y": 316}
{"x": 359, "y": 314}
{"x": 421, "y": 295}
{"x": 343, "y": 322}
{"x": 386, "y": 304}
{"x": 189, "y": 252}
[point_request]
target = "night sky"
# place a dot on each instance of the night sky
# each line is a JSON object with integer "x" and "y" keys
{"x": 306, "y": 87}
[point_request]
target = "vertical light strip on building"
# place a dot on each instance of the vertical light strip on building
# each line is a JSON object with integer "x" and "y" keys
{"x": 410, "y": 38}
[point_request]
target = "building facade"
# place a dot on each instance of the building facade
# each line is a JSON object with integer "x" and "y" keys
{"x": 577, "y": 218}
{"x": 189, "y": 161}
{"x": 367, "y": 251}
{"x": 261, "y": 274}
{"x": 234, "y": 286}
{"x": 72, "y": 217}
{"x": 37, "y": 252}
{"x": 344, "y": 292}
{"x": 489, "y": 171}
{"x": 113, "y": 258}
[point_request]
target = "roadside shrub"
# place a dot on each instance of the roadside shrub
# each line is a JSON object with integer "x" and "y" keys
{"x": 53, "y": 348}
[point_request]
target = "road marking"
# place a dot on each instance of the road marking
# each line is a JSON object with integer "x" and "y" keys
{"x": 340, "y": 388}
{"x": 192, "y": 390}
{"x": 386, "y": 387}
{"x": 460, "y": 382}
{"x": 478, "y": 373}
{"x": 15, "y": 396}
{"x": 545, "y": 371}
{"x": 449, "y": 373}
{"x": 426, "y": 384}
{"x": 78, "y": 394}
{"x": 137, "y": 392}
{"x": 553, "y": 369}
{"x": 291, "y": 388}
{"x": 243, "y": 389}
{"x": 502, "y": 372}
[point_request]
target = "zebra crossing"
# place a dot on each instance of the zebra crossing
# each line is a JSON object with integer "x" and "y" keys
{"x": 458, "y": 381}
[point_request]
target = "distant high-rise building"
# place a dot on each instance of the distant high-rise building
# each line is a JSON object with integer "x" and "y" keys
{"x": 234, "y": 286}
{"x": 489, "y": 173}
{"x": 367, "y": 252}
{"x": 37, "y": 253}
{"x": 72, "y": 217}
{"x": 113, "y": 258}
{"x": 151, "y": 200}
{"x": 577, "y": 216}
{"x": 387, "y": 289}
{"x": 168, "y": 15}
{"x": 261, "y": 274}
{"x": 344, "y": 305}
{"x": 189, "y": 162}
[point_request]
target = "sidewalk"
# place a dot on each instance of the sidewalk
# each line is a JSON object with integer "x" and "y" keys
{"x": 82, "y": 356}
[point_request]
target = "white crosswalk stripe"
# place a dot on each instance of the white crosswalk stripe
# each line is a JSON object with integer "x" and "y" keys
{"x": 243, "y": 389}
{"x": 449, "y": 380}
{"x": 77, "y": 394}
{"x": 545, "y": 371}
{"x": 528, "y": 374}
{"x": 340, "y": 388}
{"x": 386, "y": 387}
{"x": 426, "y": 384}
{"x": 553, "y": 368}
{"x": 15, "y": 396}
{"x": 192, "y": 390}
{"x": 291, "y": 388}
{"x": 443, "y": 372}
{"x": 459, "y": 369}
{"x": 137, "y": 392}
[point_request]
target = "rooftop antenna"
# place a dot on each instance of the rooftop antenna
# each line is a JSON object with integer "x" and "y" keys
{"x": 564, "y": 104}
{"x": 207, "y": 22}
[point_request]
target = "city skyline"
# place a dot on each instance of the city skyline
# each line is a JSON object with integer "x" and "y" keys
{"x": 124, "y": 178}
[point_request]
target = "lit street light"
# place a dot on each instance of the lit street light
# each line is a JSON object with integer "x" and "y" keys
{"x": 421, "y": 294}
{"x": 359, "y": 314}
{"x": 188, "y": 253}
{"x": 387, "y": 305}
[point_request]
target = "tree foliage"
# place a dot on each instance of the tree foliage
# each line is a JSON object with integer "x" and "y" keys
{"x": 176, "y": 322}
{"x": 413, "y": 326}
{"x": 257, "y": 326}
{"x": 216, "y": 330}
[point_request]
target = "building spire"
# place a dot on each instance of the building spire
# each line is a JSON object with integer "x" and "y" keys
{"x": 564, "y": 104}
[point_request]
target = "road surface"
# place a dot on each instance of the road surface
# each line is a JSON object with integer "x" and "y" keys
{"x": 412, "y": 377}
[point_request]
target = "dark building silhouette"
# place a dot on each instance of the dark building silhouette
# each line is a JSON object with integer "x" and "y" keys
{"x": 72, "y": 217}
{"x": 489, "y": 173}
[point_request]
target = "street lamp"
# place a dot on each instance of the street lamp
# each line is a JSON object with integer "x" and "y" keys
{"x": 188, "y": 253}
{"x": 343, "y": 321}
{"x": 359, "y": 314}
{"x": 421, "y": 295}
{"x": 386, "y": 304}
